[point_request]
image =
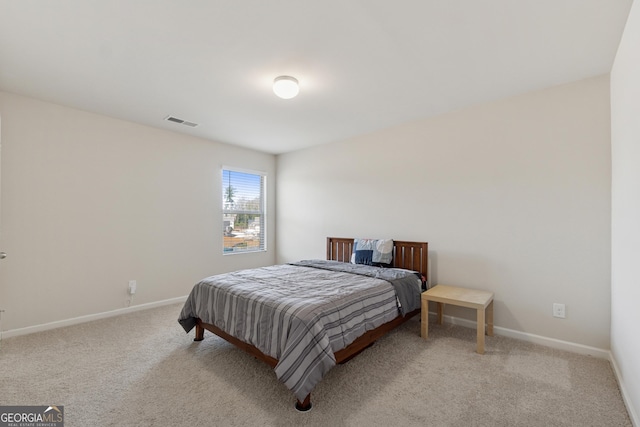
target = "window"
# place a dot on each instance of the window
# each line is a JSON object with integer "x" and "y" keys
{"x": 243, "y": 211}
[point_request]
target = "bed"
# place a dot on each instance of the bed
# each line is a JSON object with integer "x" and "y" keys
{"x": 303, "y": 318}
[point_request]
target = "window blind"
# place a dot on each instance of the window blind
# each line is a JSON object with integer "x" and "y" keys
{"x": 243, "y": 211}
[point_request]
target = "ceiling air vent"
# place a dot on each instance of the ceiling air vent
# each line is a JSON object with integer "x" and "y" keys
{"x": 180, "y": 121}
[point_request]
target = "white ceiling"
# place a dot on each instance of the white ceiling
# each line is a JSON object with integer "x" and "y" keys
{"x": 363, "y": 65}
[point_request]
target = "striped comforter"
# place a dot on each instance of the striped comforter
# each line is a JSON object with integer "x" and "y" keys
{"x": 300, "y": 314}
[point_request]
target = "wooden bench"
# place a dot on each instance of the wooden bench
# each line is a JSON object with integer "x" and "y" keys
{"x": 481, "y": 301}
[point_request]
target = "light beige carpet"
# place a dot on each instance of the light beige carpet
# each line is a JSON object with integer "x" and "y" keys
{"x": 141, "y": 369}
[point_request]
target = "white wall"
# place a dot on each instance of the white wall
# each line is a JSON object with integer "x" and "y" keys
{"x": 90, "y": 202}
{"x": 625, "y": 238}
{"x": 513, "y": 197}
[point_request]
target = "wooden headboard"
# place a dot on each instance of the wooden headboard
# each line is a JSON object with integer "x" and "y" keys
{"x": 409, "y": 255}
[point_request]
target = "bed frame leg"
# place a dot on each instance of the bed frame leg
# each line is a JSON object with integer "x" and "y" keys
{"x": 199, "y": 333}
{"x": 305, "y": 405}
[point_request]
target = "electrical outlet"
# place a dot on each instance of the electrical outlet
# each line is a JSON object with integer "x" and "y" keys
{"x": 132, "y": 287}
{"x": 558, "y": 310}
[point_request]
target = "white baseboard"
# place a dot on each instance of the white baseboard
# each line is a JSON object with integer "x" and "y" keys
{"x": 88, "y": 318}
{"x": 635, "y": 420}
{"x": 537, "y": 339}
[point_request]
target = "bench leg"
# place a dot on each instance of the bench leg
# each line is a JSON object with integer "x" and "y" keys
{"x": 490, "y": 319}
{"x": 424, "y": 319}
{"x": 480, "y": 348}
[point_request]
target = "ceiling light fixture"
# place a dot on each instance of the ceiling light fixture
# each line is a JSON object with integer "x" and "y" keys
{"x": 286, "y": 87}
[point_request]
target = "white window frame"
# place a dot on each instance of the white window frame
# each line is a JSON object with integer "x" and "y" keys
{"x": 228, "y": 211}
